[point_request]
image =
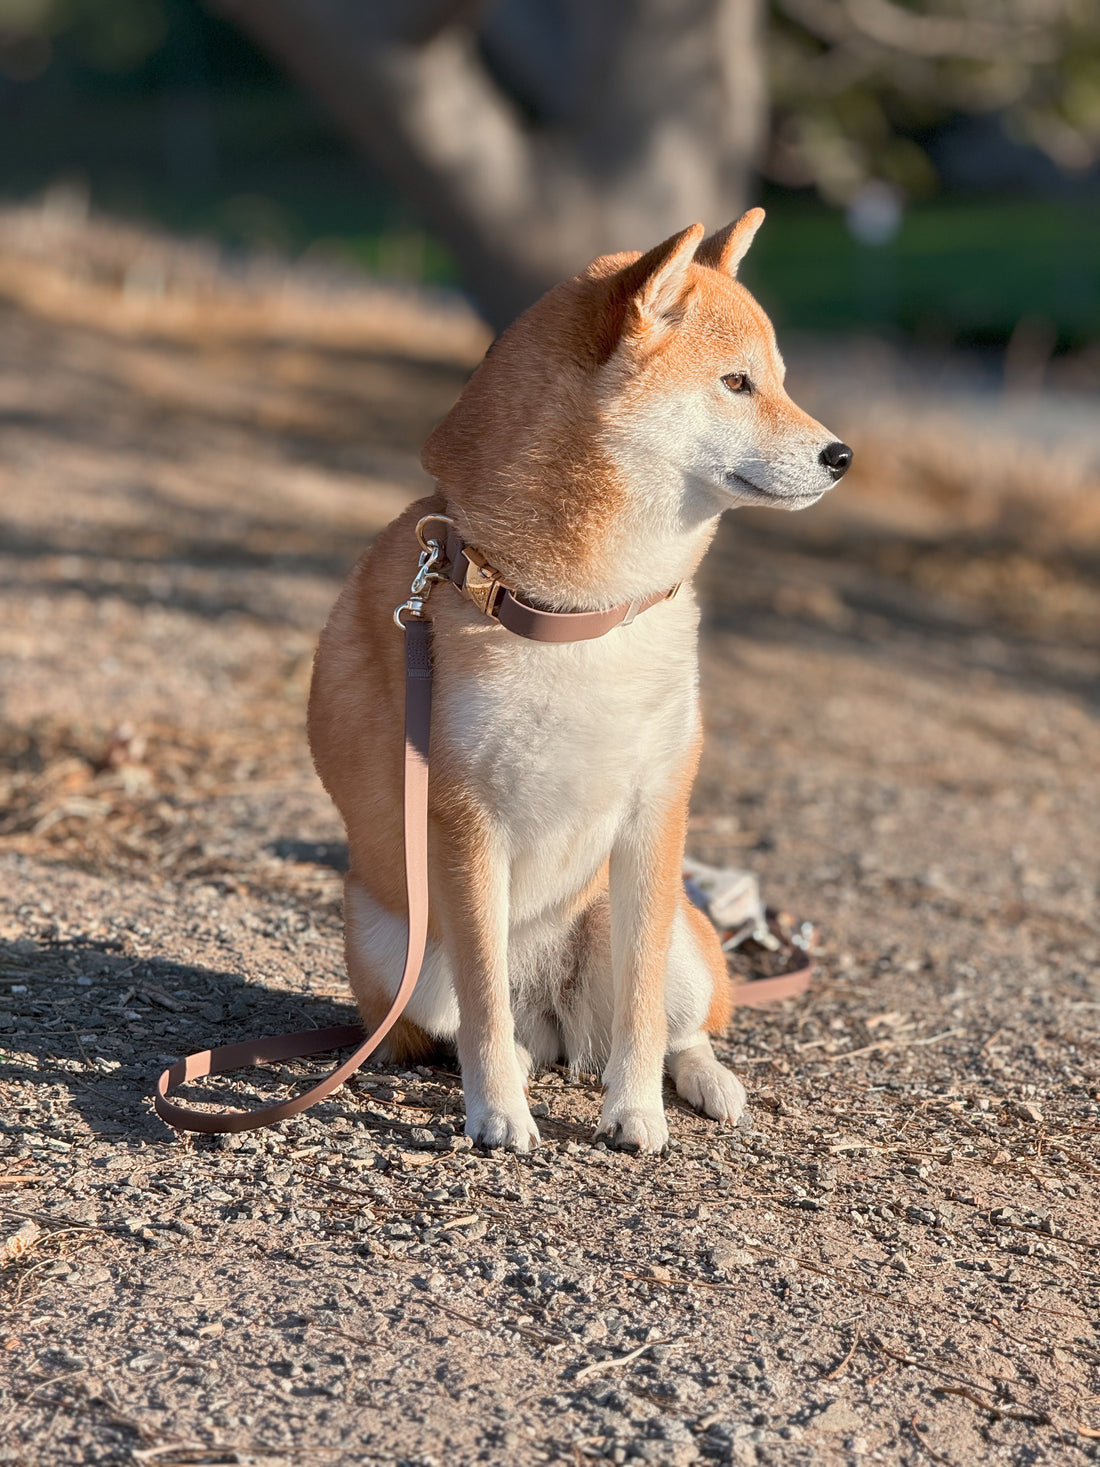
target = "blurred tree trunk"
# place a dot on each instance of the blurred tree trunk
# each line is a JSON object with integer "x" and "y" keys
{"x": 532, "y": 135}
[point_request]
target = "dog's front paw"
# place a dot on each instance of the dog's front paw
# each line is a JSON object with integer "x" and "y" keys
{"x": 634, "y": 1130}
{"x": 713, "y": 1089}
{"x": 496, "y": 1126}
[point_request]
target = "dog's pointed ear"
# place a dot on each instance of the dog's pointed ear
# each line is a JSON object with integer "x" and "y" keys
{"x": 629, "y": 293}
{"x": 656, "y": 283}
{"x": 726, "y": 248}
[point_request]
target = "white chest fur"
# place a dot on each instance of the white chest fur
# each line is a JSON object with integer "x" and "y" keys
{"x": 561, "y": 742}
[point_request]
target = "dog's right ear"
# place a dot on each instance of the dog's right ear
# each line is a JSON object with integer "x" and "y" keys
{"x": 641, "y": 294}
{"x": 726, "y": 248}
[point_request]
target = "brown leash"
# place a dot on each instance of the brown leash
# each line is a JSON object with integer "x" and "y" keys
{"x": 472, "y": 574}
{"x": 418, "y": 719}
{"x": 755, "y": 992}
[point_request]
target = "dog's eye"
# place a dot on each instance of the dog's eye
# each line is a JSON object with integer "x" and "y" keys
{"x": 737, "y": 382}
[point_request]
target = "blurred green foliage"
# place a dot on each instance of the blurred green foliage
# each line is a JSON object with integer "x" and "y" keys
{"x": 858, "y": 85}
{"x": 110, "y": 36}
{"x": 956, "y": 272}
{"x": 169, "y": 115}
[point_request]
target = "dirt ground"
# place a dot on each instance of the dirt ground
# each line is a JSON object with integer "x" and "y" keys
{"x": 895, "y": 1261}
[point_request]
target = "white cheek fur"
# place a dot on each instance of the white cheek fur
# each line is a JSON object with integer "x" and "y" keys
{"x": 678, "y": 457}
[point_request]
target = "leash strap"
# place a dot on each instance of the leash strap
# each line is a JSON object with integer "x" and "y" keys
{"x": 756, "y": 992}
{"x": 418, "y": 718}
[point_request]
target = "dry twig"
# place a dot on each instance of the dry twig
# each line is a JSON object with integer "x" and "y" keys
{"x": 842, "y": 1367}
{"x": 884, "y": 1044}
{"x": 599, "y": 1366}
{"x": 966, "y": 1388}
{"x": 532, "y": 1334}
{"x": 919, "y": 1439}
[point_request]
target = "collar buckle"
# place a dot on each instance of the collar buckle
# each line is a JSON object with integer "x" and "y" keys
{"x": 480, "y": 581}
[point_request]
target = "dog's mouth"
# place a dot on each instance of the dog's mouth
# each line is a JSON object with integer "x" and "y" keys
{"x": 746, "y": 486}
{"x": 746, "y": 490}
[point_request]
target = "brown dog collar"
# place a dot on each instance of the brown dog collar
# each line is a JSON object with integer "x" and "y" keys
{"x": 480, "y": 583}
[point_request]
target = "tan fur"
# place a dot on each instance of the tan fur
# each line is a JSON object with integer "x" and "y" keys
{"x": 406, "y": 1041}
{"x": 720, "y": 1011}
{"x": 559, "y": 462}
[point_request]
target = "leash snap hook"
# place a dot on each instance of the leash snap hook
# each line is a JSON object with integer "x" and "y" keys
{"x": 414, "y": 606}
{"x": 427, "y": 574}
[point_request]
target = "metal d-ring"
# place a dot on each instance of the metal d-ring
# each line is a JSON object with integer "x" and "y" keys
{"x": 441, "y": 519}
{"x": 414, "y": 606}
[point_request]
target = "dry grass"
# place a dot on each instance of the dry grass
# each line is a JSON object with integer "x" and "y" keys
{"x": 113, "y": 277}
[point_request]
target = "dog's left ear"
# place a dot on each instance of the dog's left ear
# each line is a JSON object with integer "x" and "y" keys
{"x": 657, "y": 282}
{"x": 726, "y": 248}
{"x": 637, "y": 295}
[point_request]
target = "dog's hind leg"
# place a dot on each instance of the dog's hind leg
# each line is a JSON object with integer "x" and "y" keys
{"x": 698, "y": 999}
{"x": 374, "y": 946}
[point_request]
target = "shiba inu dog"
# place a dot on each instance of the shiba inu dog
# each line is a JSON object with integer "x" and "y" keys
{"x": 588, "y": 460}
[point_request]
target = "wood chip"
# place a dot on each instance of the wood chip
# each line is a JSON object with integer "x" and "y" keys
{"x": 20, "y": 1242}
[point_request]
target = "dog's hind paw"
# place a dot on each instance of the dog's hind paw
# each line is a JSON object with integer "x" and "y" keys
{"x": 635, "y": 1131}
{"x": 491, "y": 1128}
{"x": 707, "y": 1085}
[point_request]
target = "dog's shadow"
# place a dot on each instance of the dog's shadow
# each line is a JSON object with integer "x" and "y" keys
{"x": 101, "y": 1026}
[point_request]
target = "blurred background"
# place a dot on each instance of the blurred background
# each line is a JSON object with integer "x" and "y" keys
{"x": 930, "y": 169}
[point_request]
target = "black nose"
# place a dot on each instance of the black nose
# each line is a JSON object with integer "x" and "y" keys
{"x": 836, "y": 457}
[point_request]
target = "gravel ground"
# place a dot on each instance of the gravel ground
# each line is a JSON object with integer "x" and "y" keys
{"x": 895, "y": 1260}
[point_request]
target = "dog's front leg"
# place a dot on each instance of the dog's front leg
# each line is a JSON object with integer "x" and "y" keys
{"x": 644, "y": 890}
{"x": 472, "y": 903}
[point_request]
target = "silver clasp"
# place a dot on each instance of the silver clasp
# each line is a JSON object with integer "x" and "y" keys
{"x": 427, "y": 573}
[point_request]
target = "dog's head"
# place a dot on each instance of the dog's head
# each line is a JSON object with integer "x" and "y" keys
{"x": 640, "y": 398}
{"x": 698, "y": 378}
